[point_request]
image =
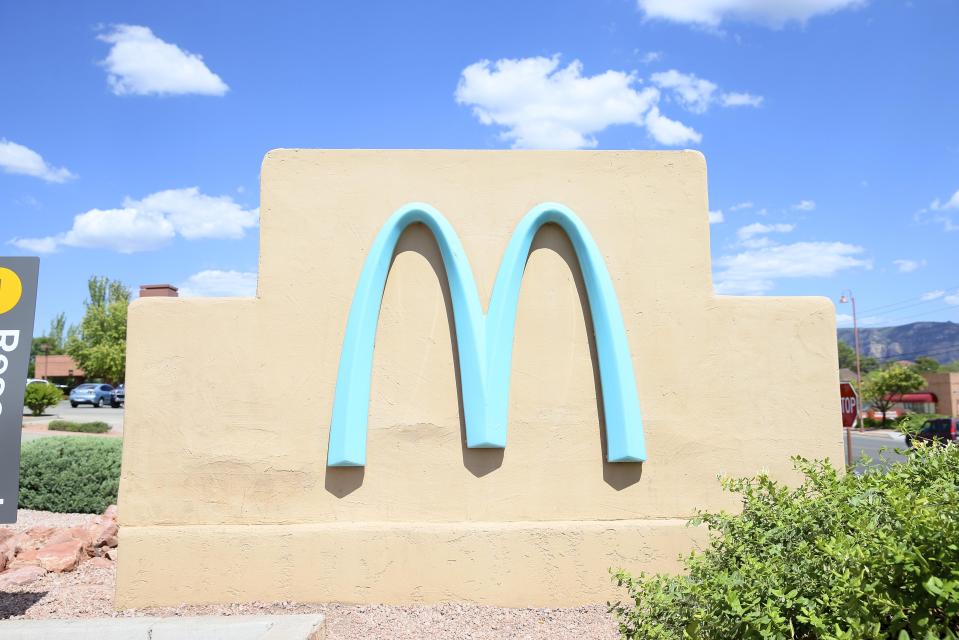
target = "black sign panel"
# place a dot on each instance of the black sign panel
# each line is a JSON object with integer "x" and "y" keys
{"x": 18, "y": 305}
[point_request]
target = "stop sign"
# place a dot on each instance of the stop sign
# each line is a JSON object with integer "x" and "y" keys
{"x": 850, "y": 404}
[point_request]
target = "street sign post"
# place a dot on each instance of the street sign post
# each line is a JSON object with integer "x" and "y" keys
{"x": 849, "y": 403}
{"x": 18, "y": 303}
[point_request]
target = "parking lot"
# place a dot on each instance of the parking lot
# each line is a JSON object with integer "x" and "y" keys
{"x": 83, "y": 413}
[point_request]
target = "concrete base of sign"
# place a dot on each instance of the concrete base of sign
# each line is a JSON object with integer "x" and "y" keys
{"x": 513, "y": 564}
{"x": 294, "y": 627}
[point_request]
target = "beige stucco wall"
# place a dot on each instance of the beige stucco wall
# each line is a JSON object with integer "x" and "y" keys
{"x": 225, "y": 494}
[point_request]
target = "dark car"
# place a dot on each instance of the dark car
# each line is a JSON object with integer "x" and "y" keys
{"x": 119, "y": 397}
{"x": 91, "y": 393}
{"x": 937, "y": 430}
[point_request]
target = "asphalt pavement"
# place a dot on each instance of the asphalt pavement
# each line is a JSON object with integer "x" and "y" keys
{"x": 83, "y": 413}
{"x": 878, "y": 446}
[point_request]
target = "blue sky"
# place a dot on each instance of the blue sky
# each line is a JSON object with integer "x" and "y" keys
{"x": 131, "y": 134}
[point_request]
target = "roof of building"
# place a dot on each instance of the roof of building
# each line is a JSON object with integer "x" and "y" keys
{"x": 59, "y": 366}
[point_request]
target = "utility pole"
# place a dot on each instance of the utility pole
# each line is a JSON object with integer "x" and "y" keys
{"x": 843, "y": 299}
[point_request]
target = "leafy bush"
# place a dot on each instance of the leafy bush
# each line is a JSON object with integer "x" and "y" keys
{"x": 39, "y": 396}
{"x": 82, "y": 427}
{"x": 69, "y": 474}
{"x": 842, "y": 556}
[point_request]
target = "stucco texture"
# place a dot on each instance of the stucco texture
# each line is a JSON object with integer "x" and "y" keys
{"x": 226, "y": 496}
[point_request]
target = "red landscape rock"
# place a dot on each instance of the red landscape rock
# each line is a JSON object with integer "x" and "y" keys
{"x": 25, "y": 558}
{"x": 3, "y": 561}
{"x": 105, "y": 533}
{"x": 5, "y": 534}
{"x": 8, "y": 549}
{"x": 111, "y": 512}
{"x": 113, "y": 554}
{"x": 40, "y": 533}
{"x": 84, "y": 537}
{"x": 60, "y": 535}
{"x": 103, "y": 563}
{"x": 60, "y": 557}
{"x": 21, "y": 576}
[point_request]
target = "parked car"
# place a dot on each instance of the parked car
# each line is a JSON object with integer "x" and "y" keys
{"x": 91, "y": 393}
{"x": 37, "y": 381}
{"x": 119, "y": 397}
{"x": 938, "y": 430}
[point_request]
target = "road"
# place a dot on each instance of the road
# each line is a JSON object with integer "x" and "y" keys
{"x": 83, "y": 413}
{"x": 875, "y": 444}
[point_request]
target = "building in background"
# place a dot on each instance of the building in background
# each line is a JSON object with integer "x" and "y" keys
{"x": 58, "y": 369}
{"x": 945, "y": 388}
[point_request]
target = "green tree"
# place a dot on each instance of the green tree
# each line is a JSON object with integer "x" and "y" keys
{"x": 53, "y": 343}
{"x": 56, "y": 334}
{"x": 847, "y": 356}
{"x": 881, "y": 387}
{"x": 847, "y": 359}
{"x": 99, "y": 343}
{"x": 925, "y": 364}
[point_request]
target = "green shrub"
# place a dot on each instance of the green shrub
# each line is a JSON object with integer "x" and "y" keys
{"x": 842, "y": 556}
{"x": 39, "y": 396}
{"x": 82, "y": 427}
{"x": 69, "y": 474}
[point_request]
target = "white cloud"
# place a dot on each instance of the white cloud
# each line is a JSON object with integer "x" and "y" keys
{"x": 150, "y": 223}
{"x": 945, "y": 212}
{"x": 195, "y": 215}
{"x": 16, "y": 158}
{"x": 755, "y": 271}
{"x": 772, "y": 13}
{"x": 951, "y": 203}
{"x": 36, "y": 245}
{"x": 741, "y": 100}
{"x": 804, "y": 205}
{"x": 544, "y": 106}
{"x": 715, "y": 217}
{"x": 952, "y": 299}
{"x": 540, "y": 104}
{"x": 908, "y": 266}
{"x": 741, "y": 205}
{"x": 757, "y": 229}
{"x": 695, "y": 94}
{"x": 213, "y": 282}
{"x": 669, "y": 132}
{"x": 124, "y": 230}
{"x": 140, "y": 63}
{"x": 649, "y": 57}
{"x": 932, "y": 295}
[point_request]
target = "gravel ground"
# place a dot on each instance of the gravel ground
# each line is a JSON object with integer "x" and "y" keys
{"x": 88, "y": 593}
{"x": 27, "y": 518}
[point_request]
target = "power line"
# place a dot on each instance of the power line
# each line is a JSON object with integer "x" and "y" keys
{"x": 904, "y": 302}
{"x": 925, "y": 313}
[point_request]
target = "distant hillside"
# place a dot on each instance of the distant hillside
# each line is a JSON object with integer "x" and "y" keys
{"x": 939, "y": 340}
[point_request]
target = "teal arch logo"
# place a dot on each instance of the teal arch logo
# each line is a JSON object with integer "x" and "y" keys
{"x": 485, "y": 341}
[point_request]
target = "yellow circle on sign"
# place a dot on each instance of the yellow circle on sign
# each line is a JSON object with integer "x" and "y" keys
{"x": 10, "y": 289}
